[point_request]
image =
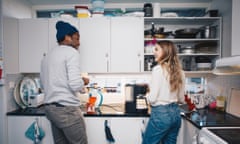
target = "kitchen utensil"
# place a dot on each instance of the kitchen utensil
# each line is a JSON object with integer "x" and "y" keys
{"x": 17, "y": 96}
{"x": 186, "y": 33}
{"x": 208, "y": 31}
{"x": 27, "y": 88}
{"x": 198, "y": 100}
{"x": 187, "y": 50}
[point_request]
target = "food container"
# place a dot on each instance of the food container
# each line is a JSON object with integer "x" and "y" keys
{"x": 82, "y": 11}
{"x": 203, "y": 63}
{"x": 148, "y": 10}
{"x": 97, "y": 6}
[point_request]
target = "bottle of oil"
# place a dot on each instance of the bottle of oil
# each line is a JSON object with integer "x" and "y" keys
{"x": 220, "y": 103}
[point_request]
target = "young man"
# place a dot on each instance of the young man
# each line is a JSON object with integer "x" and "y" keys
{"x": 61, "y": 79}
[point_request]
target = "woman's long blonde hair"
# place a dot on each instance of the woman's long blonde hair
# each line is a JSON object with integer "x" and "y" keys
{"x": 170, "y": 62}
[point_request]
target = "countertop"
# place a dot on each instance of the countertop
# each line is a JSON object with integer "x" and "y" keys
{"x": 39, "y": 111}
{"x": 200, "y": 118}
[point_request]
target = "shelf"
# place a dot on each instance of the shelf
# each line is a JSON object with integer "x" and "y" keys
{"x": 182, "y": 40}
{"x": 199, "y": 54}
{"x": 183, "y": 20}
{"x": 195, "y": 54}
{"x": 211, "y": 47}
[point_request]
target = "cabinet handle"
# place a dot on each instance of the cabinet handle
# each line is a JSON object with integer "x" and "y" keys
{"x": 140, "y": 66}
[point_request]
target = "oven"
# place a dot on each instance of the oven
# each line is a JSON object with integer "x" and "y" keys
{"x": 219, "y": 135}
{"x": 227, "y": 132}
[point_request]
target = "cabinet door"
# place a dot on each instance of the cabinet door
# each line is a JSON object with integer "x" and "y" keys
{"x": 95, "y": 130}
{"x": 190, "y": 132}
{"x": 52, "y": 29}
{"x": 94, "y": 44}
{"x": 33, "y": 44}
{"x": 235, "y": 27}
{"x": 128, "y": 130}
{"x": 10, "y": 38}
{"x": 46, "y": 126}
{"x": 127, "y": 44}
{"x": 17, "y": 126}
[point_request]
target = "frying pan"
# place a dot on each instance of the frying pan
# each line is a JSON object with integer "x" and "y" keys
{"x": 186, "y": 33}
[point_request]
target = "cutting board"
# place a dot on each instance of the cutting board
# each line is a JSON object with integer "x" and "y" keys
{"x": 234, "y": 102}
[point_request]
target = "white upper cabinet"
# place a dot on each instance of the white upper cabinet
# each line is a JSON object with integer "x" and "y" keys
{"x": 94, "y": 44}
{"x": 10, "y": 38}
{"x": 111, "y": 44}
{"x": 33, "y": 44}
{"x": 127, "y": 46}
{"x": 52, "y": 29}
{"x": 235, "y": 27}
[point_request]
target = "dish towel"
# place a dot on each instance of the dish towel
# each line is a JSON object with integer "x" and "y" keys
{"x": 35, "y": 133}
{"x": 108, "y": 133}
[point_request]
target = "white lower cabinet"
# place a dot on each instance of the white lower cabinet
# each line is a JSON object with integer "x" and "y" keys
{"x": 125, "y": 130}
{"x": 18, "y": 125}
{"x": 190, "y": 132}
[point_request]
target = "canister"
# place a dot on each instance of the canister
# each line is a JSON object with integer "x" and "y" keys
{"x": 82, "y": 11}
{"x": 148, "y": 10}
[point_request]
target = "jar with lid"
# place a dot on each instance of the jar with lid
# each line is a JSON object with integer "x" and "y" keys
{"x": 220, "y": 103}
{"x": 82, "y": 11}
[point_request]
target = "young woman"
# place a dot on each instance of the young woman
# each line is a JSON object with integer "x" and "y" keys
{"x": 166, "y": 90}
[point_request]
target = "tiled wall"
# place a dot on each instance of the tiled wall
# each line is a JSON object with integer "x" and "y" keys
{"x": 222, "y": 84}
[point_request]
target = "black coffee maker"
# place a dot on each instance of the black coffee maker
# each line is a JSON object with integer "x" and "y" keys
{"x": 135, "y": 98}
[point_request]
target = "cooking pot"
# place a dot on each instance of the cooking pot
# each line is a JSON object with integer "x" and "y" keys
{"x": 208, "y": 32}
{"x": 187, "y": 50}
{"x": 186, "y": 33}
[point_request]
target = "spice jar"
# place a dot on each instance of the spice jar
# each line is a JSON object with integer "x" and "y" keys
{"x": 220, "y": 103}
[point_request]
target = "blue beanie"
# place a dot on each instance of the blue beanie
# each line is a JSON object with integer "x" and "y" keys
{"x": 64, "y": 29}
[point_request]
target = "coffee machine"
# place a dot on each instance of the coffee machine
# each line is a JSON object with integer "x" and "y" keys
{"x": 135, "y": 98}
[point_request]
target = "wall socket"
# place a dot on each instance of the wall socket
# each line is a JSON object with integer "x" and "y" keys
{"x": 11, "y": 84}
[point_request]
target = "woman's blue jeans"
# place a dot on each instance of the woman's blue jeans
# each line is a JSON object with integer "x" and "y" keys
{"x": 163, "y": 125}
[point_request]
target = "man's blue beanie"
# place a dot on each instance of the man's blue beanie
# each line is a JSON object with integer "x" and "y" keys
{"x": 64, "y": 29}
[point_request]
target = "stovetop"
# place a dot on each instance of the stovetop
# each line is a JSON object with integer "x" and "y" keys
{"x": 212, "y": 118}
{"x": 230, "y": 135}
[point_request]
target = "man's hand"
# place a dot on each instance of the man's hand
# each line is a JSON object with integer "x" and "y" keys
{"x": 86, "y": 80}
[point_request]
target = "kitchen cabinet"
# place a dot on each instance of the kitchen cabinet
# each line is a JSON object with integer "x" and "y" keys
{"x": 95, "y": 129}
{"x": 235, "y": 27}
{"x": 95, "y": 44}
{"x": 126, "y": 130}
{"x": 111, "y": 44}
{"x": 17, "y": 126}
{"x": 189, "y": 131}
{"x": 202, "y": 46}
{"x": 33, "y": 44}
{"x": 10, "y": 38}
{"x": 126, "y": 44}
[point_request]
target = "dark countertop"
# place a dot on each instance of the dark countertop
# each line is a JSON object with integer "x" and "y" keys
{"x": 40, "y": 112}
{"x": 210, "y": 118}
{"x": 200, "y": 118}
